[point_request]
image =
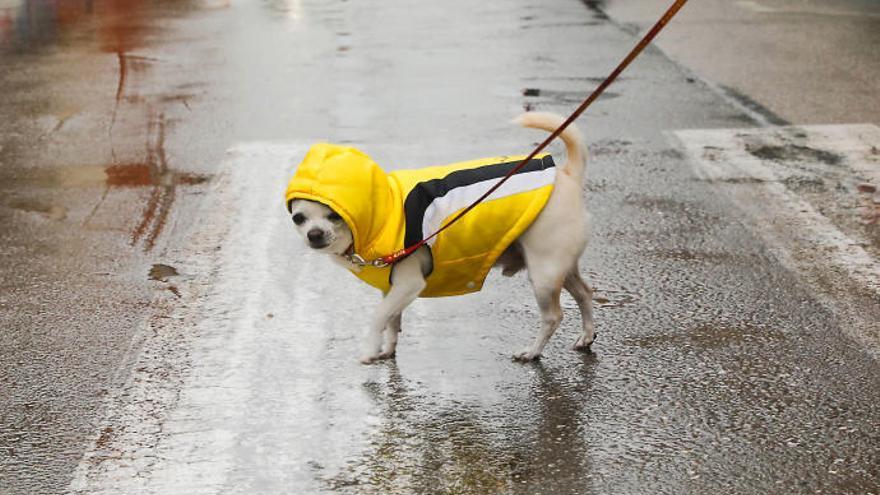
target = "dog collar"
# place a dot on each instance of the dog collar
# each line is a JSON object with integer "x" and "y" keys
{"x": 358, "y": 260}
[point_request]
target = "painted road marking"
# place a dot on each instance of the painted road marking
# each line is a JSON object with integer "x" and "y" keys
{"x": 761, "y": 8}
{"x": 797, "y": 186}
{"x": 212, "y": 393}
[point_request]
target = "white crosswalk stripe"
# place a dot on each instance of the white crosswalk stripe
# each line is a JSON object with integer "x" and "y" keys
{"x": 798, "y": 187}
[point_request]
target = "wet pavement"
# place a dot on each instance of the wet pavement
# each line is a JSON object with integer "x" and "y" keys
{"x": 168, "y": 333}
{"x": 797, "y": 61}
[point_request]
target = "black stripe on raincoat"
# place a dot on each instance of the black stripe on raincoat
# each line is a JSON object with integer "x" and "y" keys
{"x": 424, "y": 193}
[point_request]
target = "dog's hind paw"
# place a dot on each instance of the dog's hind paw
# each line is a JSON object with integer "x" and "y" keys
{"x": 582, "y": 345}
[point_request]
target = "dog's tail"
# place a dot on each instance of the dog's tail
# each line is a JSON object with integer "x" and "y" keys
{"x": 571, "y": 136}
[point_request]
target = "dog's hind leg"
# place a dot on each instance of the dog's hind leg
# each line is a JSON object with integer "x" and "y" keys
{"x": 547, "y": 288}
{"x": 583, "y": 296}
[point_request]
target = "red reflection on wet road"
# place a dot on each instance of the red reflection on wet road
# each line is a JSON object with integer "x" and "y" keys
{"x": 164, "y": 181}
{"x": 120, "y": 31}
{"x": 119, "y": 27}
{"x": 5, "y": 27}
{"x": 129, "y": 175}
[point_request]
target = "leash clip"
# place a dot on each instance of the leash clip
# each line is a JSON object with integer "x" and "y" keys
{"x": 379, "y": 263}
{"x": 356, "y": 259}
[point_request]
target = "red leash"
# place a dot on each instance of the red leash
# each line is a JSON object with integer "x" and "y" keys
{"x": 395, "y": 257}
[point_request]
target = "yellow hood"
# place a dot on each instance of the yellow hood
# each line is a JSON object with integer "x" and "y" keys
{"x": 353, "y": 185}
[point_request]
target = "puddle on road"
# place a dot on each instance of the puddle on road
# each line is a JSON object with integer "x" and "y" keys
{"x": 424, "y": 447}
{"x": 108, "y": 27}
{"x": 118, "y": 175}
{"x": 161, "y": 272}
{"x": 429, "y": 443}
{"x": 155, "y": 175}
{"x": 133, "y": 175}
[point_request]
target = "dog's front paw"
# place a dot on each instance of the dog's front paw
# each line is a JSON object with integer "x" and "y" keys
{"x": 368, "y": 358}
{"x": 387, "y": 355}
{"x": 526, "y": 356}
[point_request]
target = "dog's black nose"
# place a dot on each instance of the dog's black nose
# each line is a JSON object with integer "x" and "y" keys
{"x": 315, "y": 235}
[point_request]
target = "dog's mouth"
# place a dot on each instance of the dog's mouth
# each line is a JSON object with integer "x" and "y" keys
{"x": 319, "y": 244}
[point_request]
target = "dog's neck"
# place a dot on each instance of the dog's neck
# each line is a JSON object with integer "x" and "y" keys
{"x": 343, "y": 259}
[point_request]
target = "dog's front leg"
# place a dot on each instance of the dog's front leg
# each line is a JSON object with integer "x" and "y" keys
{"x": 407, "y": 282}
{"x": 393, "y": 332}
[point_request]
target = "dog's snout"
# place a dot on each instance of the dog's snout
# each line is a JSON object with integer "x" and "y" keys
{"x": 315, "y": 235}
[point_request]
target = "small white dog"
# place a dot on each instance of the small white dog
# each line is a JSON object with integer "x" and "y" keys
{"x": 549, "y": 248}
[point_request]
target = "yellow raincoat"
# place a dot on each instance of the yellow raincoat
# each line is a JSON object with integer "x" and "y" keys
{"x": 390, "y": 211}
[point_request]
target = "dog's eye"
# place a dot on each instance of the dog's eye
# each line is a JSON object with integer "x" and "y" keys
{"x": 334, "y": 217}
{"x": 299, "y": 218}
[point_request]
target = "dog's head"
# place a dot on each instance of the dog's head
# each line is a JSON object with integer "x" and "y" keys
{"x": 321, "y": 227}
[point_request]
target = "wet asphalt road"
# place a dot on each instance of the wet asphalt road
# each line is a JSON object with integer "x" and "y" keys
{"x": 136, "y": 134}
{"x": 810, "y": 61}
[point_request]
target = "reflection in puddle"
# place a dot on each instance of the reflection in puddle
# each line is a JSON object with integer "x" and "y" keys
{"x": 32, "y": 24}
{"x": 136, "y": 174}
{"x": 424, "y": 446}
{"x": 141, "y": 174}
{"x": 163, "y": 182}
{"x": 118, "y": 27}
{"x": 431, "y": 444}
